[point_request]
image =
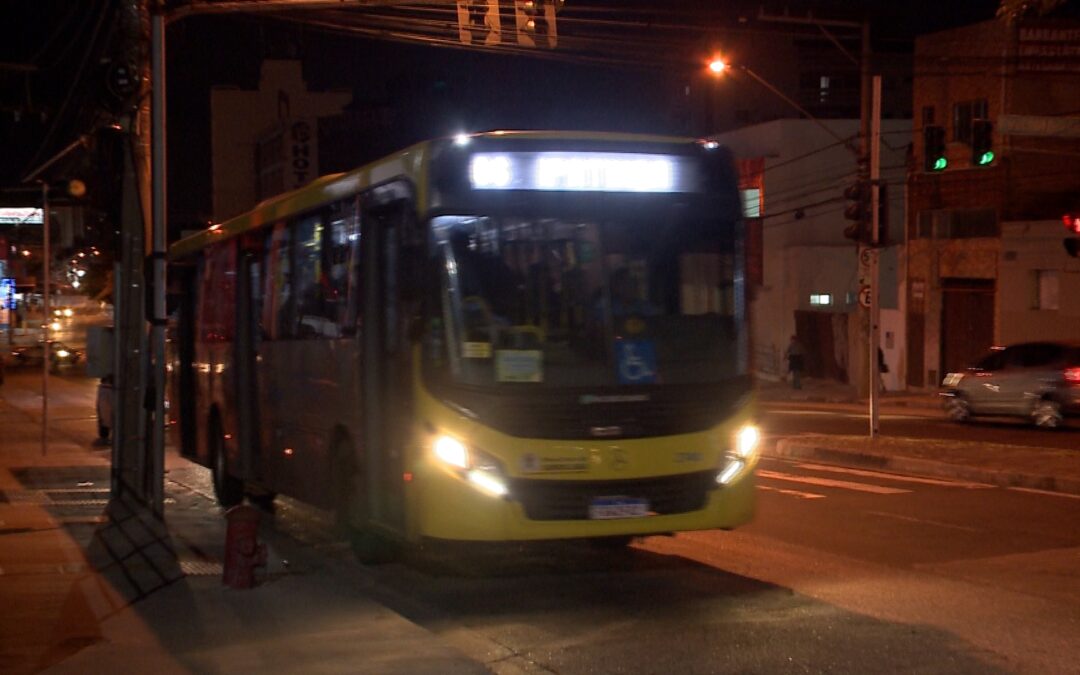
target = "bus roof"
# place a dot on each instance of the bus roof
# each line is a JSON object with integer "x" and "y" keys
{"x": 408, "y": 163}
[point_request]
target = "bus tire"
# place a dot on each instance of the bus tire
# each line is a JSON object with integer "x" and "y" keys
{"x": 228, "y": 489}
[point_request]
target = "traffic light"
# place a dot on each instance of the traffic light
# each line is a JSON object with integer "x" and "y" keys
{"x": 982, "y": 142}
{"x": 535, "y": 22}
{"x": 934, "y": 148}
{"x": 858, "y": 211}
{"x": 860, "y": 197}
{"x": 1072, "y": 224}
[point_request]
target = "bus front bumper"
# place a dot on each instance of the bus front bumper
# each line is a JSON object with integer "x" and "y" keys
{"x": 450, "y": 507}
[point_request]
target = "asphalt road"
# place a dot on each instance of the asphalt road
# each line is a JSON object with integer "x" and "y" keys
{"x": 843, "y": 571}
{"x": 782, "y": 419}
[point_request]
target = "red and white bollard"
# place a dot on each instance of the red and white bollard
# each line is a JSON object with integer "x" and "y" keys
{"x": 243, "y": 552}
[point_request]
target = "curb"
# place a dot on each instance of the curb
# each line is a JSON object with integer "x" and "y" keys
{"x": 790, "y": 448}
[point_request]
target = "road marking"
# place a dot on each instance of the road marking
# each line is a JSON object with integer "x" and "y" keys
{"x": 829, "y": 482}
{"x": 896, "y": 477}
{"x": 1042, "y": 492}
{"x": 921, "y": 521}
{"x": 792, "y": 493}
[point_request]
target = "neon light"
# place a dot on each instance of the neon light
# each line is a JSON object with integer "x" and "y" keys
{"x": 578, "y": 172}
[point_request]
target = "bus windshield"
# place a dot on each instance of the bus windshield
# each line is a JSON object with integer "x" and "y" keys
{"x": 636, "y": 299}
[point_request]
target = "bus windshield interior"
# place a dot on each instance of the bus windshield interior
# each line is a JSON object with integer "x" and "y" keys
{"x": 560, "y": 302}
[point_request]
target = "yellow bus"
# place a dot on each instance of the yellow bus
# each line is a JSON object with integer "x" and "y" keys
{"x": 496, "y": 337}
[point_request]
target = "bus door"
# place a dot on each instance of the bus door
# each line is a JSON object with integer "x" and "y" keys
{"x": 248, "y": 303}
{"x": 183, "y": 386}
{"x": 389, "y": 242}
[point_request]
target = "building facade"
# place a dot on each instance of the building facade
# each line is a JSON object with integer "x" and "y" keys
{"x": 985, "y": 261}
{"x": 265, "y": 141}
{"x": 804, "y": 273}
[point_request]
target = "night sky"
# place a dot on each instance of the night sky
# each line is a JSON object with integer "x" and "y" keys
{"x": 52, "y": 70}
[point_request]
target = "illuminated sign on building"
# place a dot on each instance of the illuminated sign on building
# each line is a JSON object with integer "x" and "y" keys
{"x": 20, "y": 216}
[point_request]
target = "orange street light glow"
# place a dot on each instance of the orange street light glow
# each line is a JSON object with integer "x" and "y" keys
{"x": 717, "y": 66}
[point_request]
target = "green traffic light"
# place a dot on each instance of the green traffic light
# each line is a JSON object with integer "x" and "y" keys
{"x": 940, "y": 163}
{"x": 986, "y": 158}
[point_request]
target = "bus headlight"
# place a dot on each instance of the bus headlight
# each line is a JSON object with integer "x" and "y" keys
{"x": 747, "y": 440}
{"x": 744, "y": 446}
{"x": 479, "y": 468}
{"x": 452, "y": 451}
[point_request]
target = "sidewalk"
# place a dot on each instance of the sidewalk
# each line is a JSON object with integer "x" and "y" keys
{"x": 94, "y": 585}
{"x": 91, "y": 584}
{"x": 1050, "y": 469}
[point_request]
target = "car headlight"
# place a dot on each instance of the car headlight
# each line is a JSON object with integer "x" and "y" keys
{"x": 952, "y": 379}
{"x": 479, "y": 468}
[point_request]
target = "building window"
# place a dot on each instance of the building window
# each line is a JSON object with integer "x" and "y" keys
{"x": 963, "y": 115}
{"x": 751, "y": 202}
{"x": 1046, "y": 288}
{"x": 820, "y": 299}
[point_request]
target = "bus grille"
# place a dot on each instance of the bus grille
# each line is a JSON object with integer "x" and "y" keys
{"x": 570, "y": 499}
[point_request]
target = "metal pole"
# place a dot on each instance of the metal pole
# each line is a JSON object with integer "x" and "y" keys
{"x": 45, "y": 324}
{"x": 875, "y": 202}
{"x": 157, "y": 334}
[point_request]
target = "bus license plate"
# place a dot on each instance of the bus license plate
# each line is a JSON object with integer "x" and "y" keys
{"x": 607, "y": 508}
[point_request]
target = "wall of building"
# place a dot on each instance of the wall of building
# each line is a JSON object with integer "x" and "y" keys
{"x": 804, "y": 249}
{"x": 1020, "y": 70}
{"x": 1026, "y": 248}
{"x": 239, "y": 118}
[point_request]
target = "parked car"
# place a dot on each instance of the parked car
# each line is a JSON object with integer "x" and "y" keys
{"x": 60, "y": 356}
{"x": 1039, "y": 381}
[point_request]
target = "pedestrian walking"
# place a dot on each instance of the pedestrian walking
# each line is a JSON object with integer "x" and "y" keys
{"x": 882, "y": 369}
{"x": 796, "y": 356}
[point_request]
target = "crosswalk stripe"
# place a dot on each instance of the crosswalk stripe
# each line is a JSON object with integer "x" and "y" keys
{"x": 792, "y": 493}
{"x": 829, "y": 482}
{"x": 1067, "y": 495}
{"x": 893, "y": 476}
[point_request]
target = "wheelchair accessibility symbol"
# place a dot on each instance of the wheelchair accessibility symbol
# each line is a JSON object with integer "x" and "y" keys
{"x": 637, "y": 361}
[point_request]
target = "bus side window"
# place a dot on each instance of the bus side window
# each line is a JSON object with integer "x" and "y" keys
{"x": 341, "y": 259}
{"x": 310, "y": 280}
{"x": 277, "y": 287}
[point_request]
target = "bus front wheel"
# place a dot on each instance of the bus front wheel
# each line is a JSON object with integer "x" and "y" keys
{"x": 228, "y": 489}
